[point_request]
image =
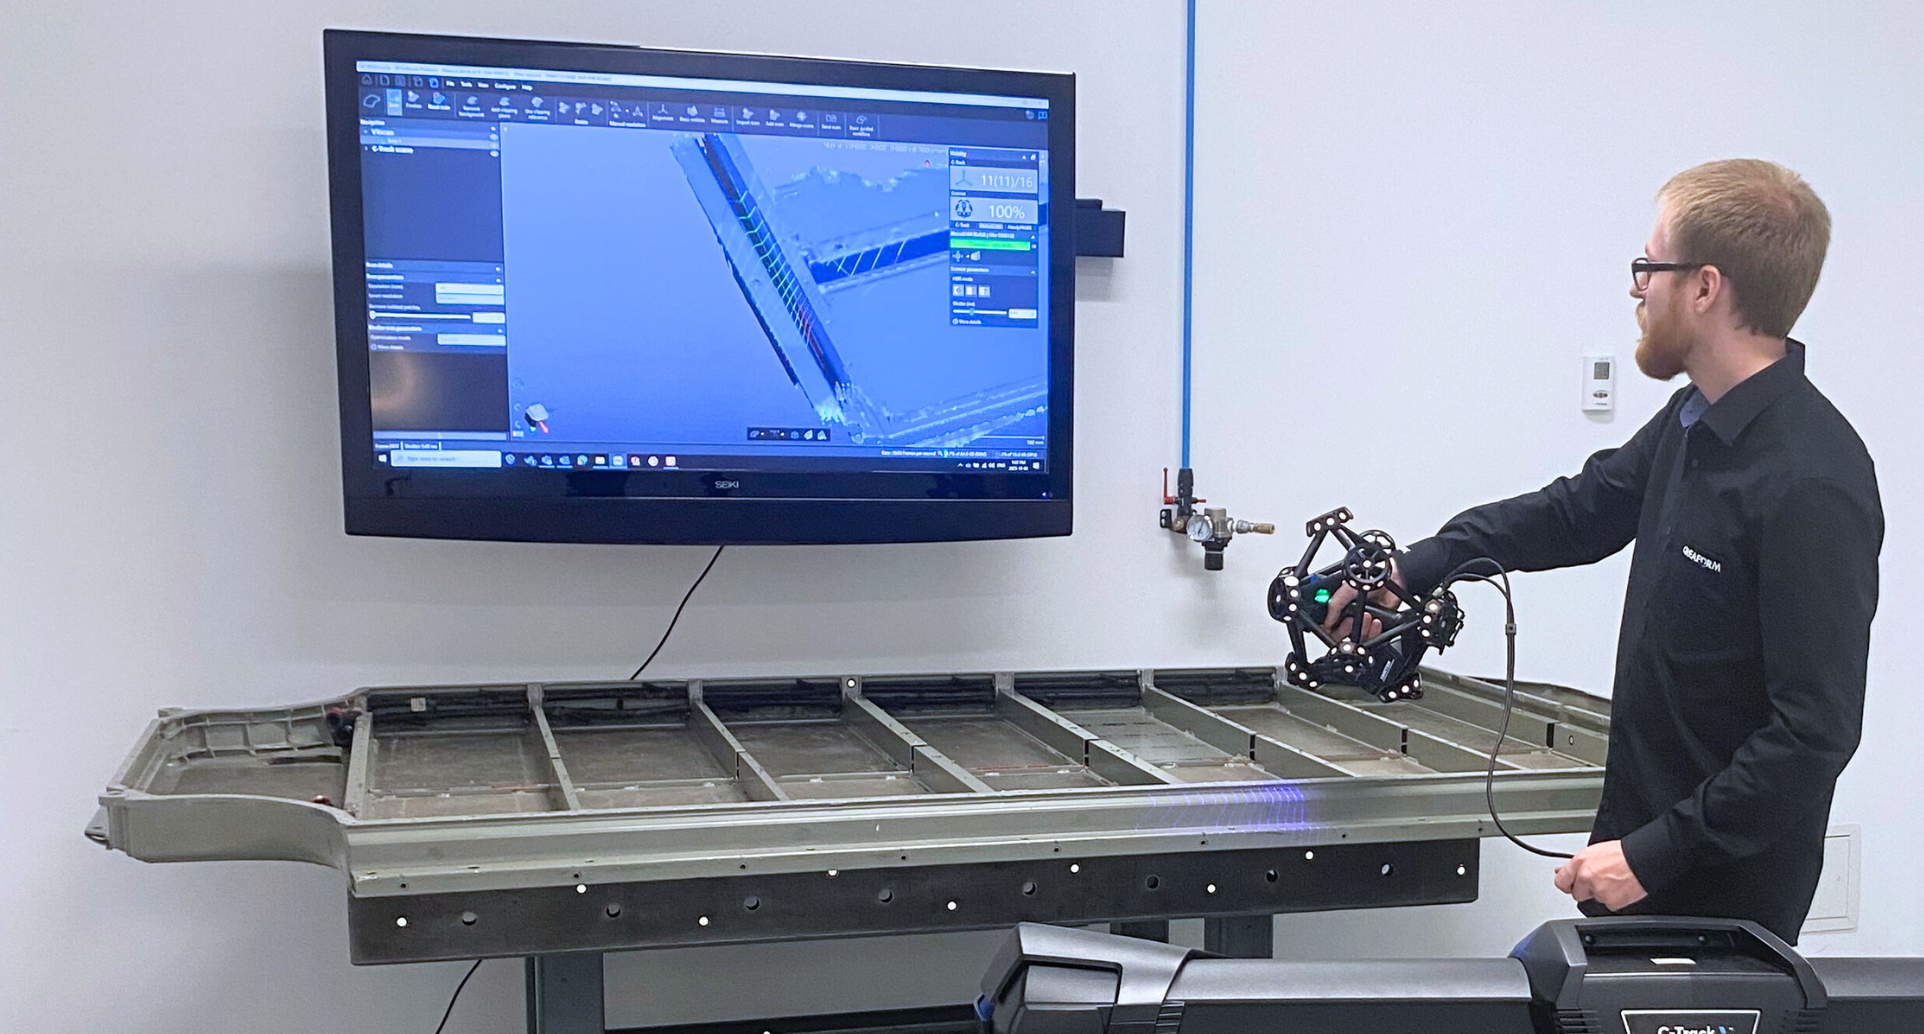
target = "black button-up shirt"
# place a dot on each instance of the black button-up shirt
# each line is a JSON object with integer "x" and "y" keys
{"x": 1741, "y": 660}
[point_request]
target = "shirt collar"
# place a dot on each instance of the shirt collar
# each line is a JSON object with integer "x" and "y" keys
{"x": 1729, "y": 415}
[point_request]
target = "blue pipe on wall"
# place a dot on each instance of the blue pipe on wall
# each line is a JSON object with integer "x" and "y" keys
{"x": 1188, "y": 217}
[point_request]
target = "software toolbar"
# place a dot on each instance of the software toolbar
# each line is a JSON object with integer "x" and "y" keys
{"x": 480, "y": 100}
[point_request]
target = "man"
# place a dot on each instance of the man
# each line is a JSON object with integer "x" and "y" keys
{"x": 1754, "y": 508}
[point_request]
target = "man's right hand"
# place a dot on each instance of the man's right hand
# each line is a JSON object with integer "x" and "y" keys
{"x": 1338, "y": 625}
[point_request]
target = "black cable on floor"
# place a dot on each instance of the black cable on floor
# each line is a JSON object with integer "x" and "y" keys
{"x": 1509, "y": 690}
{"x": 684, "y": 603}
{"x": 457, "y": 997}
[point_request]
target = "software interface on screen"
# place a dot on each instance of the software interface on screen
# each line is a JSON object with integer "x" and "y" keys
{"x": 570, "y": 269}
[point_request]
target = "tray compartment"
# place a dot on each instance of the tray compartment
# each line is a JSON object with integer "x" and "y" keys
{"x": 641, "y": 745}
{"x": 814, "y": 743}
{"x": 291, "y": 754}
{"x": 476, "y": 770}
{"x": 958, "y": 716}
{"x": 1162, "y": 732}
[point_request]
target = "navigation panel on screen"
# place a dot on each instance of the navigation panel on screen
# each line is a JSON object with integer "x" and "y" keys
{"x": 572, "y": 270}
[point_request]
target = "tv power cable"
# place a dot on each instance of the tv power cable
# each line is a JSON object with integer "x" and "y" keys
{"x": 670, "y": 630}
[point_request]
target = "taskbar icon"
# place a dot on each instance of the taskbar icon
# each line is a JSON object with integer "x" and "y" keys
{"x": 622, "y": 461}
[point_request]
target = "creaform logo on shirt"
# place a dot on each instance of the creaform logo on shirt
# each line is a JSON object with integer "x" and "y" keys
{"x": 1703, "y": 561}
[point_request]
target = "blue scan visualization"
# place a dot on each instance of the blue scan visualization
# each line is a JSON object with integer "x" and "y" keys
{"x": 796, "y": 248}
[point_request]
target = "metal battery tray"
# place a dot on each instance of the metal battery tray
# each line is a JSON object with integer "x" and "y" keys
{"x": 536, "y": 818}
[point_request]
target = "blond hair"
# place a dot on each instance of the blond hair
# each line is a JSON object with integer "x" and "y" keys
{"x": 1761, "y": 225}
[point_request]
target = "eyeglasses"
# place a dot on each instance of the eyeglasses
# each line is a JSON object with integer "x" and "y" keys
{"x": 1641, "y": 268}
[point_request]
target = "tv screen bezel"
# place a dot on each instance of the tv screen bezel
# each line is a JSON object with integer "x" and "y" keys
{"x": 689, "y": 506}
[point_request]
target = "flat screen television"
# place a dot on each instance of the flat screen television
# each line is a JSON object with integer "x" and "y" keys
{"x": 591, "y": 293}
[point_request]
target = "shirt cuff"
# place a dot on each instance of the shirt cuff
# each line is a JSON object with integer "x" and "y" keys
{"x": 1422, "y": 565}
{"x": 1653, "y": 856}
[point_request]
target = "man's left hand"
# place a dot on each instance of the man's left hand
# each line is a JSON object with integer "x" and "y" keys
{"x": 1600, "y": 872}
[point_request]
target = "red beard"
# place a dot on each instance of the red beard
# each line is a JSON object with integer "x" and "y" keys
{"x": 1662, "y": 348}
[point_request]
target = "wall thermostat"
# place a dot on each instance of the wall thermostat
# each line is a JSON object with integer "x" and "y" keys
{"x": 1599, "y": 382}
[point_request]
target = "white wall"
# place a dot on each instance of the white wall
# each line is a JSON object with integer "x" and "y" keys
{"x": 1451, "y": 196}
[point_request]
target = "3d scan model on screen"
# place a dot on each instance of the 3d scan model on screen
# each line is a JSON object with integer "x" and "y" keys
{"x": 670, "y": 281}
{"x": 832, "y": 241}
